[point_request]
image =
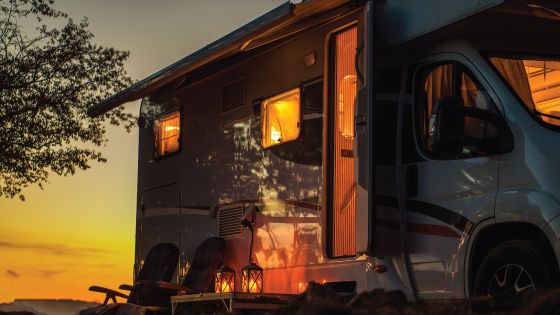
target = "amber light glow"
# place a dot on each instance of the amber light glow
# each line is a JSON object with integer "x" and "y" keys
{"x": 280, "y": 118}
{"x": 225, "y": 280}
{"x": 167, "y": 130}
{"x": 344, "y": 193}
{"x": 536, "y": 82}
{"x": 252, "y": 281}
{"x": 544, "y": 79}
{"x": 346, "y": 95}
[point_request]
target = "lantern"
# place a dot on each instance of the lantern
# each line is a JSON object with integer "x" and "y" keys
{"x": 252, "y": 281}
{"x": 225, "y": 280}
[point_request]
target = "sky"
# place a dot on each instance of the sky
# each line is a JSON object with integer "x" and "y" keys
{"x": 79, "y": 230}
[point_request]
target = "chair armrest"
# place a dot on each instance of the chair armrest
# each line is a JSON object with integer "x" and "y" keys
{"x": 172, "y": 286}
{"x": 126, "y": 287}
{"x": 109, "y": 294}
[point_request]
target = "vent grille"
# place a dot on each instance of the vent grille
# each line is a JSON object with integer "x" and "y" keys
{"x": 229, "y": 221}
{"x": 233, "y": 96}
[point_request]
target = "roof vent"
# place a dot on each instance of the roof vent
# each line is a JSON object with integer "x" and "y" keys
{"x": 233, "y": 95}
{"x": 229, "y": 221}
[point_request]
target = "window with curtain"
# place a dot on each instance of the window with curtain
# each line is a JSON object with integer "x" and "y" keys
{"x": 536, "y": 83}
{"x": 447, "y": 80}
{"x": 167, "y": 132}
{"x": 280, "y": 118}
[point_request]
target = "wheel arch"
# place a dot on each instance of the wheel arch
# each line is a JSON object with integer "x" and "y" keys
{"x": 491, "y": 234}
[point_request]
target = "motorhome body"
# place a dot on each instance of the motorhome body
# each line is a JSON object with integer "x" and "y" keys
{"x": 442, "y": 173}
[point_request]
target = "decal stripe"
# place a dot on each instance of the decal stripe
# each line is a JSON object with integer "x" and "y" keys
{"x": 430, "y": 229}
{"x": 434, "y": 211}
{"x": 297, "y": 203}
{"x": 445, "y": 215}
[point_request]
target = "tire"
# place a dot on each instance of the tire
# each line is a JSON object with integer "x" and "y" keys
{"x": 515, "y": 267}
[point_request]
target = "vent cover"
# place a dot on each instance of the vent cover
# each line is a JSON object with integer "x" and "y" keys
{"x": 233, "y": 95}
{"x": 229, "y": 221}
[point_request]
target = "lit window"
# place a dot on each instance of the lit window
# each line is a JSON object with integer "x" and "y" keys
{"x": 536, "y": 82}
{"x": 167, "y": 130}
{"x": 280, "y": 117}
{"x": 347, "y": 92}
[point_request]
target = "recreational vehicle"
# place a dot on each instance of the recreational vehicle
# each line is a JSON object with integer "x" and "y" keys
{"x": 394, "y": 144}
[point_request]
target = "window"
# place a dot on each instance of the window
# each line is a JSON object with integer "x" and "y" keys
{"x": 167, "y": 131}
{"x": 347, "y": 92}
{"x": 280, "y": 118}
{"x": 451, "y": 86}
{"x": 536, "y": 82}
{"x": 343, "y": 182}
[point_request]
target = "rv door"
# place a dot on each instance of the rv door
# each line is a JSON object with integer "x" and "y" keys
{"x": 364, "y": 172}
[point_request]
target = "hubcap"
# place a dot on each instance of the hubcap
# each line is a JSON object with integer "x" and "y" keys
{"x": 511, "y": 278}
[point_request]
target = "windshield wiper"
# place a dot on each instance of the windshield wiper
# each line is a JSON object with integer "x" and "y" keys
{"x": 536, "y": 112}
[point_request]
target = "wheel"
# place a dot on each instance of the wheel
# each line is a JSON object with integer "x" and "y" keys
{"x": 515, "y": 267}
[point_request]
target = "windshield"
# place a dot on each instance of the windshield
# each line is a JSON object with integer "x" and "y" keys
{"x": 536, "y": 82}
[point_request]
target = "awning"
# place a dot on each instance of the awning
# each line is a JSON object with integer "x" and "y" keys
{"x": 283, "y": 21}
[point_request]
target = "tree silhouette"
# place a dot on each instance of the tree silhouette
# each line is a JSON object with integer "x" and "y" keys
{"x": 49, "y": 77}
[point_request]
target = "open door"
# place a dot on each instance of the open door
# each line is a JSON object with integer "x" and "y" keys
{"x": 351, "y": 90}
{"x": 342, "y": 180}
{"x": 363, "y": 149}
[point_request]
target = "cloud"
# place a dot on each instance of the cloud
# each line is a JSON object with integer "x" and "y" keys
{"x": 53, "y": 249}
{"x": 50, "y": 273}
{"x": 12, "y": 274}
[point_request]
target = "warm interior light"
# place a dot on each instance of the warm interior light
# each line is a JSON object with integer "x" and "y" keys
{"x": 171, "y": 128}
{"x": 343, "y": 181}
{"x": 225, "y": 280}
{"x": 167, "y": 130}
{"x": 252, "y": 281}
{"x": 544, "y": 80}
{"x": 346, "y": 96}
{"x": 536, "y": 82}
{"x": 280, "y": 118}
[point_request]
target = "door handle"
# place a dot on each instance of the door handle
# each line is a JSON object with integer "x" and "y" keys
{"x": 411, "y": 181}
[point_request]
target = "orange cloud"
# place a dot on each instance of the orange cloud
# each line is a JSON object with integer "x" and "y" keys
{"x": 56, "y": 249}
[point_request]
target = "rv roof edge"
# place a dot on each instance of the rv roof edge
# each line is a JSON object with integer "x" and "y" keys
{"x": 401, "y": 21}
{"x": 259, "y": 29}
{"x": 217, "y": 49}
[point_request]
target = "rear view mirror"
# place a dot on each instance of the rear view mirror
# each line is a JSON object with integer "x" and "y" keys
{"x": 456, "y": 130}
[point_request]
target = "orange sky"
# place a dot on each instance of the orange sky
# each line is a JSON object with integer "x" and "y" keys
{"x": 79, "y": 231}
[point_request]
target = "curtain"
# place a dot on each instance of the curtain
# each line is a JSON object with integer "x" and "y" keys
{"x": 438, "y": 84}
{"x": 514, "y": 73}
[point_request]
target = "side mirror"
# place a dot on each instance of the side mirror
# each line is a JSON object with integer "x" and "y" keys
{"x": 457, "y": 130}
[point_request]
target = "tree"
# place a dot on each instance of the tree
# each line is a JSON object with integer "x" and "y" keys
{"x": 47, "y": 82}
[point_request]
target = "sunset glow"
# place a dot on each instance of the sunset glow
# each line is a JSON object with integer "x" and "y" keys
{"x": 79, "y": 231}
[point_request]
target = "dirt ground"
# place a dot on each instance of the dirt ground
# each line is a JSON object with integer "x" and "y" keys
{"x": 321, "y": 300}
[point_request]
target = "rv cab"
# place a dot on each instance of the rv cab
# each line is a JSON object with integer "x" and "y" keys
{"x": 362, "y": 145}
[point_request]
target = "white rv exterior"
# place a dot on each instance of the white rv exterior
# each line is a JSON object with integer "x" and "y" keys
{"x": 435, "y": 213}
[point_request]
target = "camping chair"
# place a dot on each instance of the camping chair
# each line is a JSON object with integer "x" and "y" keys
{"x": 199, "y": 279}
{"x": 159, "y": 265}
